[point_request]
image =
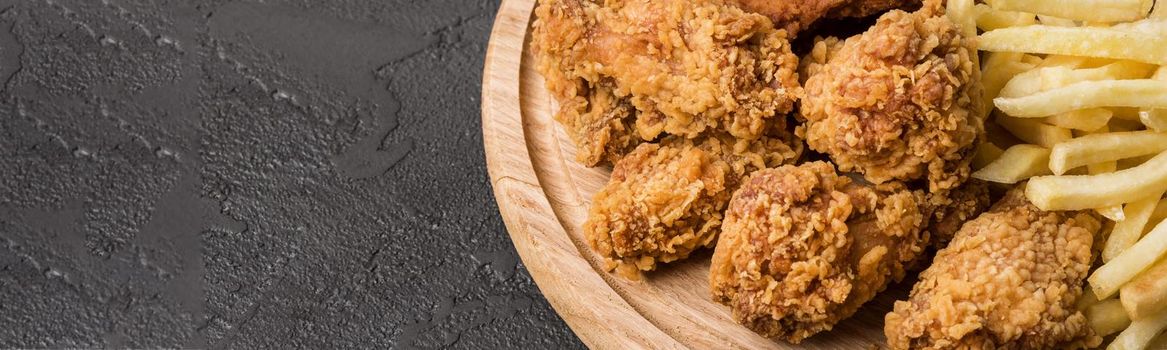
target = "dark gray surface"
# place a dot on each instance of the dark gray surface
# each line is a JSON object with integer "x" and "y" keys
{"x": 253, "y": 174}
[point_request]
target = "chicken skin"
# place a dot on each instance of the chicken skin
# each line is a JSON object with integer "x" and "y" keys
{"x": 803, "y": 248}
{"x": 1009, "y": 279}
{"x": 898, "y": 102}
{"x": 666, "y": 199}
{"x": 627, "y": 71}
{"x": 797, "y": 15}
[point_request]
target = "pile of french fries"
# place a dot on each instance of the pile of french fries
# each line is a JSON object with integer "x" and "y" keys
{"x": 1081, "y": 87}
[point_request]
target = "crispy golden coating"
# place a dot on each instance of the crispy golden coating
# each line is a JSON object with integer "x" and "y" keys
{"x": 666, "y": 200}
{"x": 1009, "y": 279}
{"x": 795, "y": 16}
{"x": 803, "y": 247}
{"x": 601, "y": 125}
{"x": 951, "y": 209}
{"x": 898, "y": 102}
{"x": 684, "y": 67}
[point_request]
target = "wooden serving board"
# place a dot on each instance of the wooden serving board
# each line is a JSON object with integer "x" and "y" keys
{"x": 543, "y": 195}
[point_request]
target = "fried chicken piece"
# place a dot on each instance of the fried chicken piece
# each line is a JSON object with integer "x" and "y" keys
{"x": 803, "y": 248}
{"x": 666, "y": 200}
{"x": 951, "y": 209}
{"x": 687, "y": 68}
{"x": 795, "y": 16}
{"x": 602, "y": 126}
{"x": 1009, "y": 279}
{"x": 898, "y": 102}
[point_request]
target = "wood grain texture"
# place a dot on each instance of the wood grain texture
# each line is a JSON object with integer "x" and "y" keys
{"x": 543, "y": 195}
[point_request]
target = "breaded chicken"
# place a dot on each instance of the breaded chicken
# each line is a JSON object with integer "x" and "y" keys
{"x": 1009, "y": 279}
{"x": 600, "y": 124}
{"x": 684, "y": 67}
{"x": 898, "y": 102}
{"x": 803, "y": 247}
{"x": 950, "y": 209}
{"x": 796, "y": 15}
{"x": 666, "y": 200}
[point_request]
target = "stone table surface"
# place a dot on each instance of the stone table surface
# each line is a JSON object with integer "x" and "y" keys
{"x": 253, "y": 174}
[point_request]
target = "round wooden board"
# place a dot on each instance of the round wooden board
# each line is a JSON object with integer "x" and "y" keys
{"x": 543, "y": 195}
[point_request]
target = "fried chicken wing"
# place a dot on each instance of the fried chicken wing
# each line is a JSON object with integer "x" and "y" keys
{"x": 666, "y": 199}
{"x": 1009, "y": 279}
{"x": 803, "y": 247}
{"x": 898, "y": 102}
{"x": 796, "y": 15}
{"x": 684, "y": 67}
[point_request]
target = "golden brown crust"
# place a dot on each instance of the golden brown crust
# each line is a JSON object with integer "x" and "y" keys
{"x": 666, "y": 200}
{"x": 601, "y": 125}
{"x": 686, "y": 67}
{"x": 898, "y": 102}
{"x": 803, "y": 248}
{"x": 888, "y": 242}
{"x": 796, "y": 16}
{"x": 1009, "y": 279}
{"x": 951, "y": 209}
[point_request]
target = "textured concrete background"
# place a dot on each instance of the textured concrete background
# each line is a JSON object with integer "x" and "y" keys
{"x": 253, "y": 174}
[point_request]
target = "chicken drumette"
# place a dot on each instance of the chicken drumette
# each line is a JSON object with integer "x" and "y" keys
{"x": 666, "y": 199}
{"x": 626, "y": 71}
{"x": 899, "y": 102}
{"x": 1009, "y": 279}
{"x": 803, "y": 247}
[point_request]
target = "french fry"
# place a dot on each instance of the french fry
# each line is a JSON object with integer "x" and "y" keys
{"x": 1114, "y": 212}
{"x": 1056, "y": 21}
{"x": 1146, "y": 295}
{"x": 1104, "y": 147}
{"x": 1031, "y": 59}
{"x": 1056, "y": 77}
{"x": 986, "y": 153}
{"x": 1078, "y": 41}
{"x": 1063, "y": 61}
{"x": 1156, "y": 26}
{"x": 989, "y": 19}
{"x": 1087, "y": 94}
{"x": 994, "y": 79}
{"x": 1018, "y": 163}
{"x": 1086, "y": 299}
{"x": 1139, "y": 333}
{"x": 1134, "y": 161}
{"x": 1076, "y": 192}
{"x": 1109, "y": 277}
{"x": 1082, "y": 119}
{"x": 993, "y": 59}
{"x": 1083, "y": 10}
{"x": 1101, "y": 168}
{"x": 962, "y": 13}
{"x": 1128, "y": 231}
{"x": 1160, "y": 341}
{"x": 1046, "y": 78}
{"x": 1160, "y": 11}
{"x": 1034, "y": 132}
{"x": 1026, "y": 83}
{"x": 1155, "y": 118}
{"x": 1107, "y": 317}
{"x": 1160, "y": 212}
